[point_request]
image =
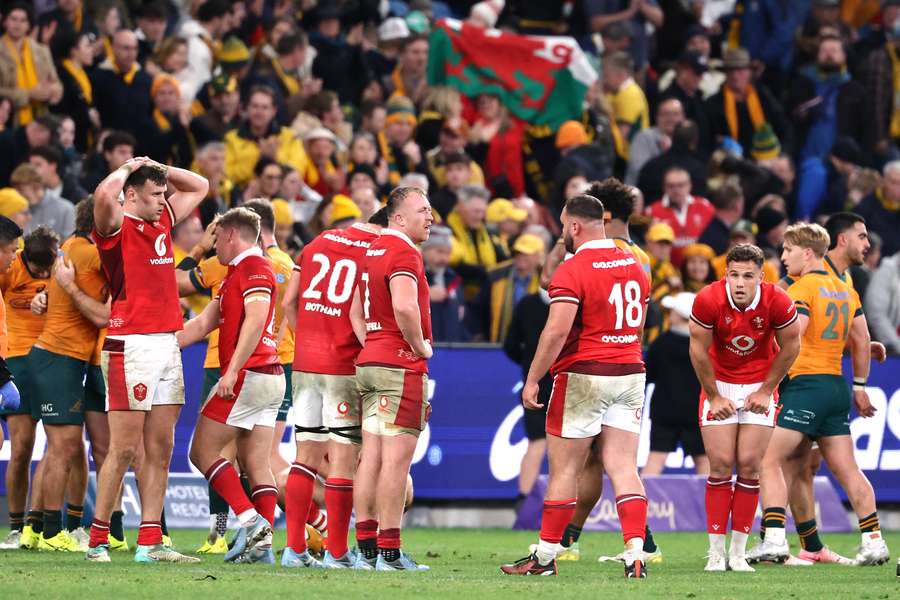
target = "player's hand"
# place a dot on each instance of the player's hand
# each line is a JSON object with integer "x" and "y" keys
{"x": 863, "y": 404}
{"x": 209, "y": 236}
{"x": 530, "y": 396}
{"x": 63, "y": 272}
{"x": 721, "y": 408}
{"x": 426, "y": 351}
{"x": 878, "y": 351}
{"x": 39, "y": 303}
{"x": 757, "y": 402}
{"x": 225, "y": 387}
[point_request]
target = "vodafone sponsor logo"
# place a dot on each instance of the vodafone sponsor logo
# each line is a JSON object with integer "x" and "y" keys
{"x": 160, "y": 246}
{"x": 619, "y": 339}
{"x": 614, "y": 264}
{"x": 742, "y": 345}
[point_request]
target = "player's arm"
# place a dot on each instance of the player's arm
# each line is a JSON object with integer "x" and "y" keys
{"x": 404, "y": 301}
{"x": 555, "y": 258}
{"x": 190, "y": 190}
{"x": 187, "y": 284}
{"x": 200, "y": 326}
{"x": 95, "y": 311}
{"x": 559, "y": 324}
{"x": 256, "y": 311}
{"x": 357, "y": 317}
{"x": 108, "y": 213}
{"x": 701, "y": 341}
{"x": 860, "y": 357}
{"x": 290, "y": 301}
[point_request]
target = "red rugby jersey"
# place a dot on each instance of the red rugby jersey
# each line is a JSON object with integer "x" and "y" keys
{"x": 611, "y": 289}
{"x": 249, "y": 273}
{"x": 392, "y": 255}
{"x": 140, "y": 267}
{"x": 330, "y": 267}
{"x": 744, "y": 340}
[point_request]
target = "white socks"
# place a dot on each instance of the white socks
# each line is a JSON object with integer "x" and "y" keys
{"x": 546, "y": 552}
{"x": 247, "y": 517}
{"x": 775, "y": 535}
{"x": 738, "y": 543}
{"x": 717, "y": 543}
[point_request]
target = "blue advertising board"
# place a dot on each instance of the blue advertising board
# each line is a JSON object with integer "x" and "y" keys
{"x": 475, "y": 440}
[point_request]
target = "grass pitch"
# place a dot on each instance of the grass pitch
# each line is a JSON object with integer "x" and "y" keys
{"x": 464, "y": 564}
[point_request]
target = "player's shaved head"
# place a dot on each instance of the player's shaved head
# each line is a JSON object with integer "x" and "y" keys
{"x": 398, "y": 195}
{"x": 586, "y": 207}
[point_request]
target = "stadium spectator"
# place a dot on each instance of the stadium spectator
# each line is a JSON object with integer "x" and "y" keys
{"x": 627, "y": 101}
{"x": 578, "y": 155}
{"x": 456, "y": 173}
{"x": 495, "y": 140}
{"x": 282, "y": 74}
{"x": 260, "y": 134}
{"x": 452, "y": 139}
{"x": 151, "y": 28}
{"x": 881, "y": 209}
{"x": 27, "y": 74}
{"x": 506, "y": 220}
{"x": 673, "y": 419}
{"x": 323, "y": 109}
{"x": 686, "y": 214}
{"x": 650, "y": 143}
{"x": 116, "y": 148}
{"x": 74, "y": 53}
{"x": 322, "y": 173}
{"x": 686, "y": 88}
{"x": 382, "y": 59}
{"x": 396, "y": 144}
{"x": 68, "y": 16}
{"x": 635, "y": 16}
{"x": 222, "y": 114}
{"x": 167, "y": 138}
{"x": 46, "y": 209}
{"x": 203, "y": 34}
{"x": 340, "y": 60}
{"x": 682, "y": 153}
{"x": 440, "y": 105}
{"x": 729, "y": 203}
{"x": 14, "y": 206}
{"x": 408, "y": 77}
{"x": 697, "y": 271}
{"x": 882, "y": 303}
{"x": 664, "y": 276}
{"x": 476, "y": 249}
{"x": 364, "y": 198}
{"x": 880, "y": 83}
{"x": 507, "y": 283}
{"x": 771, "y": 224}
{"x": 122, "y": 89}
{"x": 448, "y": 312}
{"x": 741, "y": 107}
{"x": 170, "y": 58}
{"x": 49, "y": 163}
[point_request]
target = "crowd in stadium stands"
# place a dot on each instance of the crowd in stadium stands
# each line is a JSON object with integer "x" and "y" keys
{"x": 731, "y": 118}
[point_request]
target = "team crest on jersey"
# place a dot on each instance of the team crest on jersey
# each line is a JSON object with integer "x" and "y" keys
{"x": 140, "y": 392}
{"x": 758, "y": 322}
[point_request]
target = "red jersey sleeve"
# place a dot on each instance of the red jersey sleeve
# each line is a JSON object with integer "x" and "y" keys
{"x": 564, "y": 286}
{"x": 256, "y": 278}
{"x": 705, "y": 311}
{"x": 404, "y": 262}
{"x": 782, "y": 311}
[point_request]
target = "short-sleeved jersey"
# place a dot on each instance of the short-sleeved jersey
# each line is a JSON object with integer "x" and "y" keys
{"x": 639, "y": 254}
{"x": 831, "y": 306}
{"x": 283, "y": 267}
{"x": 19, "y": 287}
{"x": 209, "y": 275}
{"x": 140, "y": 267}
{"x": 66, "y": 330}
{"x": 744, "y": 345}
{"x": 611, "y": 290}
{"x": 831, "y": 269}
{"x": 330, "y": 267}
{"x": 250, "y": 273}
{"x": 392, "y": 255}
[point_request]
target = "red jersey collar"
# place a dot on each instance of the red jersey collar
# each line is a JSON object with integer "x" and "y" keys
{"x": 251, "y": 251}
{"x": 596, "y": 244}
{"x": 752, "y": 305}
{"x": 399, "y": 234}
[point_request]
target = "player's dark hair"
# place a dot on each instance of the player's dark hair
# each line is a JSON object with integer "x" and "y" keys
{"x": 244, "y": 220}
{"x": 398, "y": 195}
{"x": 118, "y": 138}
{"x": 616, "y": 197}
{"x": 145, "y": 173}
{"x": 9, "y": 230}
{"x": 41, "y": 246}
{"x": 84, "y": 216}
{"x": 746, "y": 253}
{"x": 585, "y": 206}
{"x": 212, "y": 9}
{"x": 839, "y": 223}
{"x": 48, "y": 153}
{"x": 266, "y": 213}
{"x": 380, "y": 217}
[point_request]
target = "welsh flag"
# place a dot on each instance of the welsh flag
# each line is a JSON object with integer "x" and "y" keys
{"x": 540, "y": 79}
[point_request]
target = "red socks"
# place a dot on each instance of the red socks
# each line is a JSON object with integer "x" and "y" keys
{"x": 556, "y": 515}
{"x": 298, "y": 498}
{"x": 339, "y": 505}
{"x": 743, "y": 504}
{"x": 718, "y": 504}
{"x": 317, "y": 518}
{"x": 388, "y": 539}
{"x": 225, "y": 480}
{"x": 150, "y": 533}
{"x": 99, "y": 533}
{"x": 265, "y": 497}
{"x": 632, "y": 509}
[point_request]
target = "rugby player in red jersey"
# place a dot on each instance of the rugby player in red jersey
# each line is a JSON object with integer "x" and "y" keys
{"x": 141, "y": 360}
{"x": 243, "y": 406}
{"x": 326, "y": 401}
{"x": 744, "y": 338}
{"x": 592, "y": 340}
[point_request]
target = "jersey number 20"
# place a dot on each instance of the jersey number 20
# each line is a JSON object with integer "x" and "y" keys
{"x": 340, "y": 282}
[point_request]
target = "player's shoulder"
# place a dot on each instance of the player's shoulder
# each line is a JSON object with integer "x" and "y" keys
{"x": 714, "y": 293}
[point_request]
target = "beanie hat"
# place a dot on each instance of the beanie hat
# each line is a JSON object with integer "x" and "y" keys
{"x": 768, "y": 219}
{"x": 571, "y": 133}
{"x": 400, "y": 108}
{"x": 11, "y": 202}
{"x": 342, "y": 207}
{"x": 234, "y": 53}
{"x": 162, "y": 79}
{"x": 765, "y": 143}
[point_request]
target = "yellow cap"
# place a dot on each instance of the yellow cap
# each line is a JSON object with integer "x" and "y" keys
{"x": 528, "y": 244}
{"x": 660, "y": 232}
{"x": 502, "y": 209}
{"x": 11, "y": 202}
{"x": 342, "y": 207}
{"x": 282, "y": 209}
{"x": 699, "y": 250}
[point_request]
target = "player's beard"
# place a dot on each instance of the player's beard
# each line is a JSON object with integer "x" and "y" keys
{"x": 569, "y": 243}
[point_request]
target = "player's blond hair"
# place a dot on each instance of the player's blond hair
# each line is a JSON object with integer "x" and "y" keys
{"x": 244, "y": 220}
{"x": 808, "y": 235}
